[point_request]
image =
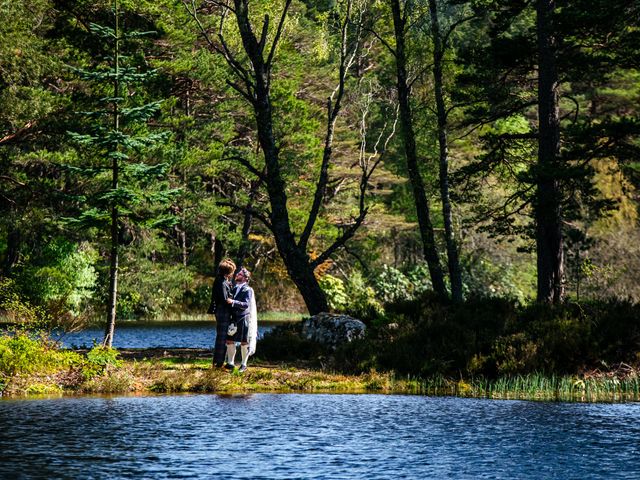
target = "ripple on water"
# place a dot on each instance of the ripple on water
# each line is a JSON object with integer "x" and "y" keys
{"x": 316, "y": 436}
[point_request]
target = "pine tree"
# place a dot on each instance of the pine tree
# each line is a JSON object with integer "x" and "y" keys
{"x": 536, "y": 67}
{"x": 118, "y": 138}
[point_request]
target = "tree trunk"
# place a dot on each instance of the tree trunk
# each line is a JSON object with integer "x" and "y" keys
{"x": 113, "y": 274}
{"x": 113, "y": 257}
{"x": 243, "y": 251}
{"x": 217, "y": 250}
{"x": 183, "y": 244}
{"x": 452, "y": 248}
{"x": 13, "y": 251}
{"x": 295, "y": 259}
{"x": 406, "y": 121}
{"x": 549, "y": 243}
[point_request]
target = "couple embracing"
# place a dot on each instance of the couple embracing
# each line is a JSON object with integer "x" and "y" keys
{"x": 236, "y": 316}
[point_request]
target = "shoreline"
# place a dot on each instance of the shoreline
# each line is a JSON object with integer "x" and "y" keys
{"x": 175, "y": 371}
{"x": 274, "y": 318}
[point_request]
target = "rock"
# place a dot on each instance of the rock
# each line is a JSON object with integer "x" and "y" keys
{"x": 331, "y": 329}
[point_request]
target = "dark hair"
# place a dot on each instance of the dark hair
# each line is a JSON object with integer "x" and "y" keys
{"x": 226, "y": 267}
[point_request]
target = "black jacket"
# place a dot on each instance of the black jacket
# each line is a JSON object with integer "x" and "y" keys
{"x": 220, "y": 292}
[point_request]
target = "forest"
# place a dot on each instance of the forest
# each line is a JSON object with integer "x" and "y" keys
{"x": 456, "y": 165}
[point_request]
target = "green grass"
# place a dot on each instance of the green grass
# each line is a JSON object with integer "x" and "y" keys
{"x": 171, "y": 362}
{"x": 281, "y": 317}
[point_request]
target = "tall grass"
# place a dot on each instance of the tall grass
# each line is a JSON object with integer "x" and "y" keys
{"x": 539, "y": 387}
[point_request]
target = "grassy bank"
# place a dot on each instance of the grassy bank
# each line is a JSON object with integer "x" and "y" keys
{"x": 179, "y": 375}
{"x": 33, "y": 367}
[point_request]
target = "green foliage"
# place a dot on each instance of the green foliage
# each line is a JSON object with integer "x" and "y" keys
{"x": 15, "y": 309}
{"x": 352, "y": 296}
{"x": 174, "y": 196}
{"x": 484, "y": 278}
{"x": 98, "y": 360}
{"x": 118, "y": 139}
{"x": 392, "y": 285}
{"x": 22, "y": 354}
{"x": 149, "y": 291}
{"x": 61, "y": 274}
{"x": 363, "y": 302}
{"x": 335, "y": 291}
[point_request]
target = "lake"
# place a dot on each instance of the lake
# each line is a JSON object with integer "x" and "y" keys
{"x": 316, "y": 436}
{"x": 168, "y": 334}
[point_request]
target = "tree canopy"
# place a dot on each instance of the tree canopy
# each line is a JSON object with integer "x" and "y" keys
{"x": 349, "y": 152}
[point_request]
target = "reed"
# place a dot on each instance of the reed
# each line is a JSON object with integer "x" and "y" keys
{"x": 537, "y": 386}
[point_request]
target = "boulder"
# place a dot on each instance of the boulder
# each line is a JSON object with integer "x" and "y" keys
{"x": 331, "y": 329}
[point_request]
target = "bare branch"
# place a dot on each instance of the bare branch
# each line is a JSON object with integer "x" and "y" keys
{"x": 18, "y": 133}
{"x": 231, "y": 60}
{"x": 223, "y": 49}
{"x": 495, "y": 117}
{"x": 247, "y": 96}
{"x": 453, "y": 26}
{"x": 386, "y": 143}
{"x": 332, "y": 115}
{"x": 419, "y": 74}
{"x": 576, "y": 112}
{"x": 276, "y": 39}
{"x": 263, "y": 35}
{"x": 193, "y": 12}
{"x": 338, "y": 243}
{"x": 367, "y": 172}
{"x": 380, "y": 39}
{"x": 13, "y": 180}
{"x": 248, "y": 209}
{"x": 244, "y": 162}
{"x": 504, "y": 207}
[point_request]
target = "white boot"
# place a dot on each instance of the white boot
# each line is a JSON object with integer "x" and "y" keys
{"x": 244, "y": 349}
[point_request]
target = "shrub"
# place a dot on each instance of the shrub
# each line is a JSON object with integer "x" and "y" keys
{"x": 352, "y": 296}
{"x": 285, "y": 343}
{"x": 494, "y": 336}
{"x": 15, "y": 309}
{"x": 511, "y": 354}
{"x": 391, "y": 285}
{"x": 362, "y": 301}
{"x": 22, "y": 354}
{"x": 98, "y": 360}
{"x": 61, "y": 273}
{"x": 335, "y": 291}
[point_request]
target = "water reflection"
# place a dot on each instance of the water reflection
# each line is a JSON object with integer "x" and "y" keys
{"x": 316, "y": 436}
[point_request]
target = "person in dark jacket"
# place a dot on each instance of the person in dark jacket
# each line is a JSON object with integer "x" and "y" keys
{"x": 221, "y": 293}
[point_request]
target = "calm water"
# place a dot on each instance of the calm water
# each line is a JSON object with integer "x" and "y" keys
{"x": 316, "y": 436}
{"x": 168, "y": 334}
